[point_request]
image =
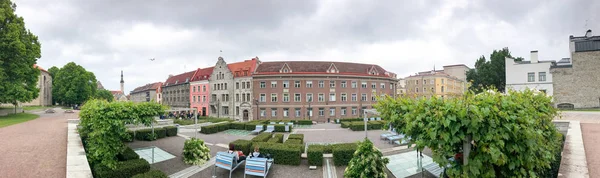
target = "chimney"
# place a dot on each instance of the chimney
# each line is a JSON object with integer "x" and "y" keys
{"x": 588, "y": 33}
{"x": 170, "y": 75}
{"x": 534, "y": 57}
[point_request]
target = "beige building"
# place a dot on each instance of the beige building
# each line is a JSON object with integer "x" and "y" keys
{"x": 450, "y": 82}
{"x": 401, "y": 87}
{"x": 146, "y": 93}
{"x": 45, "y": 85}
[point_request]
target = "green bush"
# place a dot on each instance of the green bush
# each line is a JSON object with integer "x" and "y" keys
{"x": 287, "y": 154}
{"x": 123, "y": 169}
{"x": 305, "y": 122}
{"x": 368, "y": 161}
{"x": 151, "y": 174}
{"x": 315, "y": 155}
{"x": 243, "y": 145}
{"x": 146, "y": 134}
{"x": 345, "y": 124}
{"x": 238, "y": 125}
{"x": 277, "y": 138}
{"x": 171, "y": 131}
{"x": 195, "y": 152}
{"x": 297, "y": 137}
{"x": 215, "y": 128}
{"x": 252, "y": 126}
{"x": 127, "y": 154}
{"x": 131, "y": 136}
{"x": 328, "y": 149}
{"x": 160, "y": 133}
{"x": 262, "y": 137}
{"x": 343, "y": 152}
{"x": 360, "y": 125}
{"x": 293, "y": 141}
{"x": 281, "y": 128}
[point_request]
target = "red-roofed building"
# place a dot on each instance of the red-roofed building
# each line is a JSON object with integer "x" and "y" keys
{"x": 176, "y": 90}
{"x": 118, "y": 95}
{"x": 231, "y": 90}
{"x": 147, "y": 93}
{"x": 200, "y": 90}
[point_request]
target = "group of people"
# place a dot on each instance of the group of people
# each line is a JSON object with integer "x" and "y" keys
{"x": 179, "y": 115}
{"x": 240, "y": 155}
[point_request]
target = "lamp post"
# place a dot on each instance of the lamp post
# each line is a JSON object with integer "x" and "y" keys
{"x": 257, "y": 114}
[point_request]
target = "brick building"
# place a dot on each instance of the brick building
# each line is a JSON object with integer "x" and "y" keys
{"x": 318, "y": 90}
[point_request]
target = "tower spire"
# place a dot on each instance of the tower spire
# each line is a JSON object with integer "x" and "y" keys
{"x": 122, "y": 83}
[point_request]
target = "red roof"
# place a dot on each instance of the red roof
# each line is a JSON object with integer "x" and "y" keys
{"x": 202, "y": 74}
{"x": 150, "y": 86}
{"x": 180, "y": 78}
{"x": 115, "y": 92}
{"x": 322, "y": 67}
{"x": 239, "y": 69}
{"x": 38, "y": 67}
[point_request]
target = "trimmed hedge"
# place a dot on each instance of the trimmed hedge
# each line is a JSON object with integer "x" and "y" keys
{"x": 360, "y": 125}
{"x": 243, "y": 145}
{"x": 211, "y": 129}
{"x": 146, "y": 134}
{"x": 124, "y": 169}
{"x": 262, "y": 137}
{"x": 171, "y": 131}
{"x": 305, "y": 122}
{"x": 128, "y": 154}
{"x": 279, "y": 137}
{"x": 238, "y": 126}
{"x": 151, "y": 174}
{"x": 252, "y": 126}
{"x": 345, "y": 124}
{"x": 281, "y": 128}
{"x": 160, "y": 133}
{"x": 315, "y": 155}
{"x": 297, "y": 137}
{"x": 288, "y": 154}
{"x": 343, "y": 153}
{"x": 293, "y": 141}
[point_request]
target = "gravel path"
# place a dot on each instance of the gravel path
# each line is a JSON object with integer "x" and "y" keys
{"x": 36, "y": 148}
{"x": 591, "y": 141}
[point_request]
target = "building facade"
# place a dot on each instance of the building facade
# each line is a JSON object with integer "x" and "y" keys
{"x": 533, "y": 74}
{"x": 401, "y": 87}
{"x": 146, "y": 93}
{"x": 434, "y": 83}
{"x": 200, "y": 91}
{"x": 317, "y": 90}
{"x": 45, "y": 85}
{"x": 577, "y": 83}
{"x": 176, "y": 90}
{"x": 231, "y": 89}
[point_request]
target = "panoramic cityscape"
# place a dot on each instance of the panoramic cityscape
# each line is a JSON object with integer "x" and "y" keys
{"x": 299, "y": 89}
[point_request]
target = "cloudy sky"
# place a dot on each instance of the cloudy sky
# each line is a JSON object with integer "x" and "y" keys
{"x": 404, "y": 37}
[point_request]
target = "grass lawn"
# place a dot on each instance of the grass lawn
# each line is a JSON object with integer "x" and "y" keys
{"x": 29, "y": 108}
{"x": 16, "y": 118}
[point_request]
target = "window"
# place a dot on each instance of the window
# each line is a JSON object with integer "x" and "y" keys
{"x": 373, "y": 98}
{"x": 363, "y": 97}
{"x": 363, "y": 84}
{"x": 416, "y": 82}
{"x": 353, "y": 111}
{"x": 297, "y": 84}
{"x": 203, "y": 98}
{"x": 225, "y": 110}
{"x": 442, "y": 89}
{"x": 309, "y": 97}
{"x": 431, "y": 82}
{"x": 321, "y": 111}
{"x": 343, "y": 111}
{"x": 297, "y": 97}
{"x": 273, "y": 84}
{"x": 331, "y": 111}
{"x": 308, "y": 84}
{"x": 354, "y": 84}
{"x": 417, "y": 90}
{"x": 225, "y": 86}
{"x": 194, "y": 87}
{"x": 542, "y": 76}
{"x": 263, "y": 84}
{"x": 321, "y": 97}
{"x": 286, "y": 112}
{"x": 273, "y": 97}
{"x": 321, "y": 84}
{"x": 331, "y": 84}
{"x": 331, "y": 96}
{"x": 424, "y": 82}
{"x": 263, "y": 97}
{"x": 286, "y": 84}
{"x": 343, "y": 84}
{"x": 297, "y": 112}
{"x": 248, "y": 85}
{"x": 531, "y": 77}
{"x": 543, "y": 91}
{"x": 237, "y": 110}
{"x": 248, "y": 97}
{"x": 424, "y": 89}
{"x": 204, "y": 88}
{"x": 273, "y": 112}
{"x": 353, "y": 96}
{"x": 263, "y": 112}
{"x": 237, "y": 97}
{"x": 344, "y": 97}
{"x": 382, "y": 85}
{"x": 194, "y": 98}
{"x": 374, "y": 85}
{"x": 237, "y": 85}
{"x": 442, "y": 81}
{"x": 286, "y": 97}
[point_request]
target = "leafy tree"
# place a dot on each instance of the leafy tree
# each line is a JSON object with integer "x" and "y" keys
{"x": 73, "y": 84}
{"x": 508, "y": 135}
{"x": 368, "y": 162}
{"x": 19, "y": 51}
{"x": 105, "y": 95}
{"x": 490, "y": 73}
{"x": 103, "y": 126}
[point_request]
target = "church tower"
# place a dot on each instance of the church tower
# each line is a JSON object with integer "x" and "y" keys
{"x": 122, "y": 83}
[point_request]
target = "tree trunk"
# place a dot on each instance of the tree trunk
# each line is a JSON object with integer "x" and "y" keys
{"x": 15, "y": 104}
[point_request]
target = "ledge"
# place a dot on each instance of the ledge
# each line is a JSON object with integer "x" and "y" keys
{"x": 77, "y": 163}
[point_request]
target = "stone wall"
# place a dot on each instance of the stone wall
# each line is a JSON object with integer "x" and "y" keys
{"x": 579, "y": 84}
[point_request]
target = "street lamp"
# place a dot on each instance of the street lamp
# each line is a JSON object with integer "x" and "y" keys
{"x": 256, "y": 102}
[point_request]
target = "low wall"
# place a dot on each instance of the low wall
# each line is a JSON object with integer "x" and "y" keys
{"x": 6, "y": 111}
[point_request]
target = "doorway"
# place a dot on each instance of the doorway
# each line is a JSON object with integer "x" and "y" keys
{"x": 245, "y": 117}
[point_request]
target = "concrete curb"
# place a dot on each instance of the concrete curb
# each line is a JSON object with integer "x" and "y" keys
{"x": 77, "y": 163}
{"x": 574, "y": 163}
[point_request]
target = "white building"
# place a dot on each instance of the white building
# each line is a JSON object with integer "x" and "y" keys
{"x": 532, "y": 74}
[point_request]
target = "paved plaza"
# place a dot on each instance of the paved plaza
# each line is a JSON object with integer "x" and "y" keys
{"x": 590, "y": 129}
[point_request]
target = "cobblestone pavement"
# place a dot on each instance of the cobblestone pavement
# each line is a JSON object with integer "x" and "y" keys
{"x": 36, "y": 148}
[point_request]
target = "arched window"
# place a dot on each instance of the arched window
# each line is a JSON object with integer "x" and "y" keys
{"x": 565, "y": 106}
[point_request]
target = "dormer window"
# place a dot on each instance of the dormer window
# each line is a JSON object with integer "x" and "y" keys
{"x": 177, "y": 81}
{"x": 285, "y": 71}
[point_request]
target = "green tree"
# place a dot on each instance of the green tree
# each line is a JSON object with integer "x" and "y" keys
{"x": 73, "y": 84}
{"x": 368, "y": 162}
{"x": 105, "y": 95}
{"x": 490, "y": 73}
{"x": 19, "y": 51}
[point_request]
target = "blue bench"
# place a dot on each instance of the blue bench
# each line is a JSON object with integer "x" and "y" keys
{"x": 226, "y": 161}
{"x": 258, "y": 167}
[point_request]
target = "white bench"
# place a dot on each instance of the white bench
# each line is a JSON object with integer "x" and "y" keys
{"x": 270, "y": 128}
{"x": 259, "y": 128}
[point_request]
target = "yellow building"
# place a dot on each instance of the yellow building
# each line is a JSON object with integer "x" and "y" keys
{"x": 438, "y": 83}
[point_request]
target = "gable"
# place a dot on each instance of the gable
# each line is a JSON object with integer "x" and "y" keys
{"x": 285, "y": 68}
{"x": 332, "y": 69}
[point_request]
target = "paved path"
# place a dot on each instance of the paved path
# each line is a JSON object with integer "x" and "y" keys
{"x": 36, "y": 148}
{"x": 590, "y": 131}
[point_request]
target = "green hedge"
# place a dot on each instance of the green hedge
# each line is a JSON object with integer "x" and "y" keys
{"x": 171, "y": 131}
{"x": 146, "y": 134}
{"x": 351, "y": 120}
{"x": 297, "y": 137}
{"x": 252, "y": 126}
{"x": 343, "y": 152}
{"x": 262, "y": 137}
{"x": 211, "y": 129}
{"x": 151, "y": 174}
{"x": 295, "y": 142}
{"x": 131, "y": 136}
{"x": 124, "y": 169}
{"x": 128, "y": 154}
{"x": 160, "y": 133}
{"x": 287, "y": 154}
{"x": 345, "y": 124}
{"x": 243, "y": 145}
{"x": 238, "y": 125}
{"x": 360, "y": 125}
{"x": 315, "y": 155}
{"x": 305, "y": 122}
{"x": 281, "y": 128}
{"x": 279, "y": 137}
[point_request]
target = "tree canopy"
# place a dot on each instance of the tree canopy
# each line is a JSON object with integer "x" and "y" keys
{"x": 490, "y": 73}
{"x": 105, "y": 95}
{"x": 73, "y": 84}
{"x": 510, "y": 135}
{"x": 19, "y": 51}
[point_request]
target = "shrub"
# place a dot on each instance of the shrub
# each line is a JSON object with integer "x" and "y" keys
{"x": 243, "y": 145}
{"x": 282, "y": 153}
{"x": 127, "y": 154}
{"x": 281, "y": 128}
{"x": 131, "y": 136}
{"x": 297, "y": 137}
{"x": 252, "y": 126}
{"x": 342, "y": 153}
{"x": 305, "y": 122}
{"x": 195, "y": 152}
{"x": 328, "y": 149}
{"x": 160, "y": 133}
{"x": 315, "y": 155}
{"x": 146, "y": 134}
{"x": 262, "y": 137}
{"x": 238, "y": 126}
{"x": 279, "y": 137}
{"x": 211, "y": 129}
{"x": 367, "y": 162}
{"x": 123, "y": 169}
{"x": 345, "y": 124}
{"x": 151, "y": 174}
{"x": 293, "y": 141}
{"x": 171, "y": 131}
